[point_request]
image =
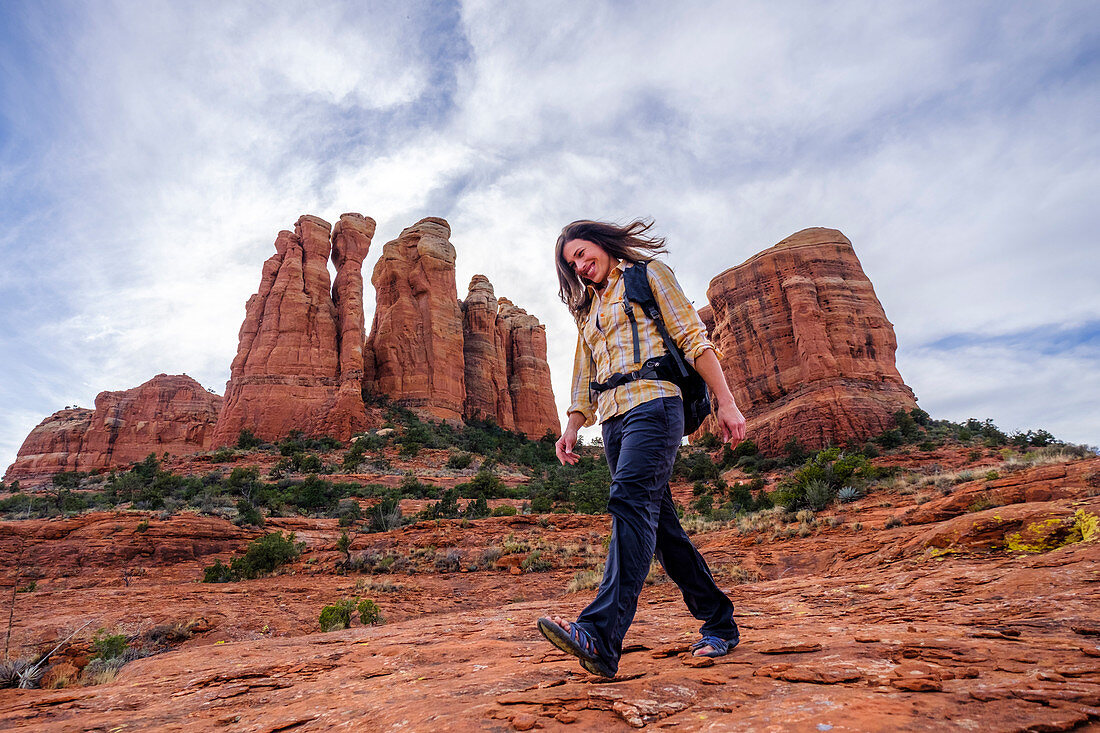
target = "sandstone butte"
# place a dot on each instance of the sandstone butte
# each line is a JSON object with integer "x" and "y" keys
{"x": 448, "y": 358}
{"x": 806, "y": 345}
{"x": 299, "y": 363}
{"x": 171, "y": 414}
{"x": 905, "y": 610}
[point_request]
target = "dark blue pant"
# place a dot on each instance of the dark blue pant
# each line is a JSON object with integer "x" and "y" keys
{"x": 641, "y": 448}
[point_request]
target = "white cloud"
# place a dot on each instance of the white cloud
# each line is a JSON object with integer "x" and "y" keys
{"x": 158, "y": 149}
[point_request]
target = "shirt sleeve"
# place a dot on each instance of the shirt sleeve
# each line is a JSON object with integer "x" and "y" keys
{"x": 584, "y": 371}
{"x": 680, "y": 317}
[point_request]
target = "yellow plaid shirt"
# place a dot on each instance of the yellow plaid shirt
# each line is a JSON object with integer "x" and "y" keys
{"x": 605, "y": 343}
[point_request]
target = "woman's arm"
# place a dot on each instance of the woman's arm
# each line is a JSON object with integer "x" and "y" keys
{"x": 730, "y": 420}
{"x": 582, "y": 411}
{"x": 689, "y": 333}
{"x": 568, "y": 439}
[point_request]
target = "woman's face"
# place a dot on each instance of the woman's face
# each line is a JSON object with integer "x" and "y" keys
{"x": 589, "y": 260}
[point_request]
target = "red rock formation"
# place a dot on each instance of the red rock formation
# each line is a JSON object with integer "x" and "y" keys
{"x": 486, "y": 357}
{"x": 299, "y": 361}
{"x": 350, "y": 243}
{"x": 808, "y": 350}
{"x": 414, "y": 351}
{"x": 528, "y": 372}
{"x": 172, "y": 414}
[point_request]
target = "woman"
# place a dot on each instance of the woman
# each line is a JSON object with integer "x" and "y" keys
{"x": 642, "y": 424}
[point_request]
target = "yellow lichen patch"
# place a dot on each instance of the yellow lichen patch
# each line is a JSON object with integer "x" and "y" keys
{"x": 1042, "y": 536}
{"x": 1086, "y": 526}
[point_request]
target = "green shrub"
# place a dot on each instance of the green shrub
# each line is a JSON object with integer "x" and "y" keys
{"x": 819, "y": 494}
{"x": 263, "y": 556}
{"x": 247, "y": 441}
{"x": 536, "y": 563}
{"x": 222, "y": 455}
{"x": 336, "y": 616}
{"x": 109, "y": 646}
{"x": 890, "y": 439}
{"x": 344, "y": 545}
{"x": 142, "y": 526}
{"x": 477, "y": 508}
{"x": 445, "y": 508}
{"x": 248, "y": 514}
{"x": 459, "y": 460}
{"x": 369, "y": 612}
{"x": 266, "y": 554}
{"x": 701, "y": 468}
{"x": 385, "y": 515}
{"x": 348, "y": 512}
{"x": 217, "y": 573}
{"x": 504, "y": 510}
{"x": 708, "y": 441}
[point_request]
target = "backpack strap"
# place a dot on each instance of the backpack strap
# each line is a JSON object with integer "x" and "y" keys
{"x": 638, "y": 290}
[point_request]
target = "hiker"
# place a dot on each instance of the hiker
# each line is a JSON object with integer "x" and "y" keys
{"x": 642, "y": 418}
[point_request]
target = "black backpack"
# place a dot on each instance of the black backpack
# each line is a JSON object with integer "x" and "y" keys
{"x": 672, "y": 366}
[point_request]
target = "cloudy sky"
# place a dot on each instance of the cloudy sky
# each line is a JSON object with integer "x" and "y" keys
{"x": 150, "y": 152}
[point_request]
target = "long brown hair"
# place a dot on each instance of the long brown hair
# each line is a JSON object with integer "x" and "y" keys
{"x": 631, "y": 242}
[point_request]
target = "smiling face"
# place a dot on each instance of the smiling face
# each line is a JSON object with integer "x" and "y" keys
{"x": 589, "y": 260}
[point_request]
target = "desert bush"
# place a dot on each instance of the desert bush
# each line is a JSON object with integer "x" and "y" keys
{"x": 536, "y": 563}
{"x": 247, "y": 441}
{"x": 512, "y": 545}
{"x": 248, "y": 514}
{"x": 445, "y": 508}
{"x": 217, "y": 573}
{"x": 503, "y": 510}
{"x": 369, "y": 612}
{"x": 818, "y": 494}
{"x": 263, "y": 556}
{"x": 585, "y": 580}
{"x": 109, "y": 646}
{"x": 221, "y": 455}
{"x": 449, "y": 562}
{"x": 337, "y": 615}
{"x": 489, "y": 556}
{"x": 348, "y": 512}
{"x": 459, "y": 460}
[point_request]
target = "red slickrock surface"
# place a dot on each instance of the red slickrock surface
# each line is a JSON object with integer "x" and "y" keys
{"x": 528, "y": 372}
{"x": 851, "y": 626}
{"x": 486, "y": 355}
{"x": 414, "y": 352}
{"x": 296, "y": 342}
{"x": 169, "y": 413}
{"x": 807, "y": 348}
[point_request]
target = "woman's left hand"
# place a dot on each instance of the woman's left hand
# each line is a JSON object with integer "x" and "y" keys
{"x": 731, "y": 422}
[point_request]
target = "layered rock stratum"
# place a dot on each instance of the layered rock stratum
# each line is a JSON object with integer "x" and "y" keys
{"x": 168, "y": 414}
{"x": 808, "y": 350}
{"x": 299, "y": 363}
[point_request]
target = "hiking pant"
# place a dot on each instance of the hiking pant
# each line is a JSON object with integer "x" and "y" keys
{"x": 640, "y": 446}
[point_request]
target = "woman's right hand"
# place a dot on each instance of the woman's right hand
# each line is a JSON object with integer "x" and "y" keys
{"x": 564, "y": 447}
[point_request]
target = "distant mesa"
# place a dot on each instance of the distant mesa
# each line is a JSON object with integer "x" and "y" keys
{"x": 807, "y": 347}
{"x": 171, "y": 413}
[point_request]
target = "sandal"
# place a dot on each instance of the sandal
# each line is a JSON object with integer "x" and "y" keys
{"x": 719, "y": 647}
{"x": 576, "y": 641}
